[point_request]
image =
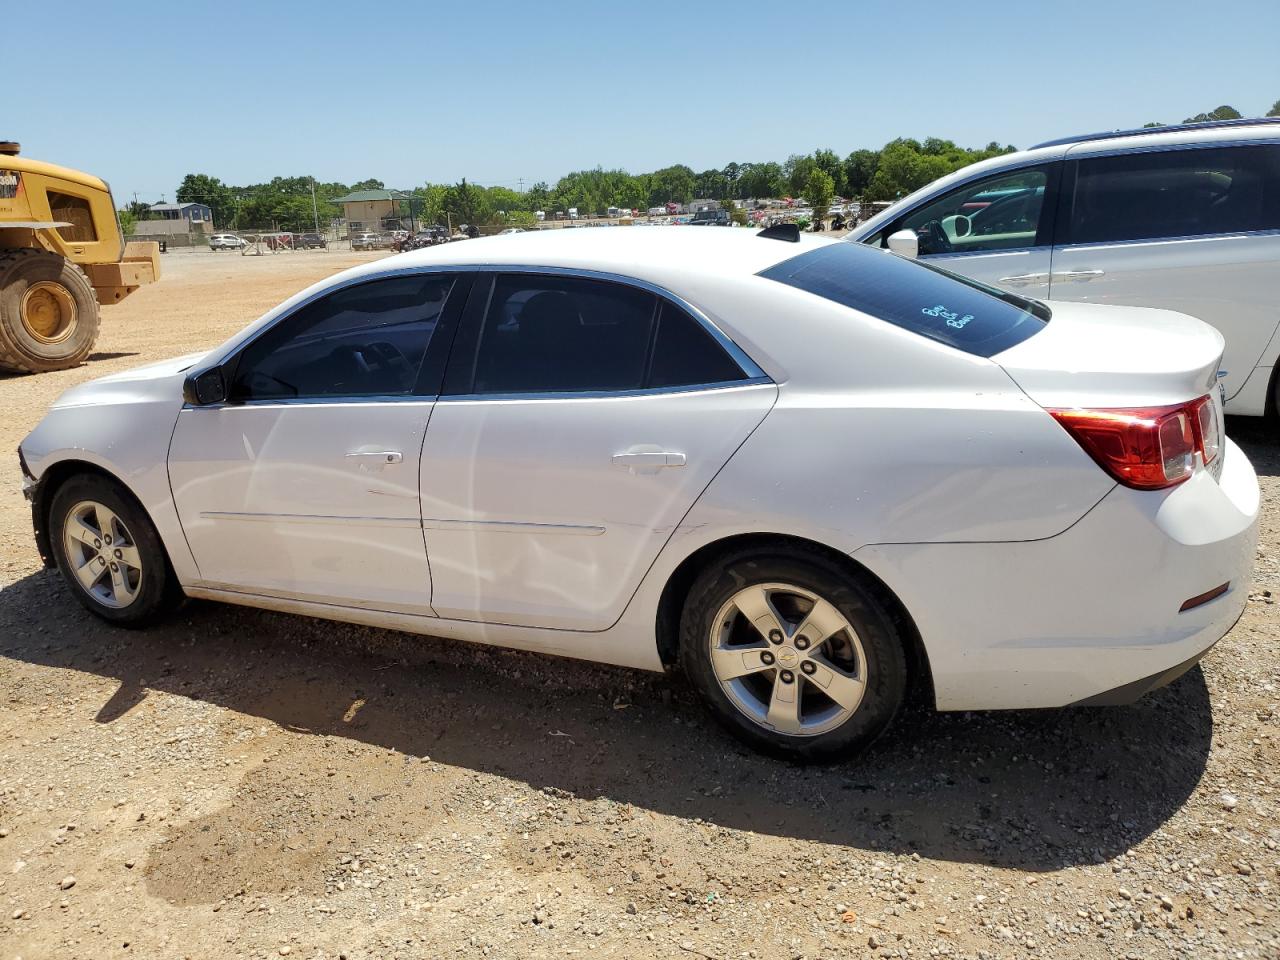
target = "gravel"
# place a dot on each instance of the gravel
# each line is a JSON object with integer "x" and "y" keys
{"x": 239, "y": 783}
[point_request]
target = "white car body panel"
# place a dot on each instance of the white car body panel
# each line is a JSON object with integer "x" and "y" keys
{"x": 299, "y": 499}
{"x": 931, "y": 467}
{"x": 547, "y": 512}
{"x": 1227, "y": 280}
{"x": 121, "y": 424}
{"x": 1074, "y": 620}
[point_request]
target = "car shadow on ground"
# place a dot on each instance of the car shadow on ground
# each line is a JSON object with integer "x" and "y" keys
{"x": 1259, "y": 438}
{"x": 1034, "y": 790}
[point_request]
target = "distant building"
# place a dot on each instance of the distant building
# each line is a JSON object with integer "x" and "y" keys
{"x": 694, "y": 206}
{"x": 173, "y": 218}
{"x": 372, "y": 211}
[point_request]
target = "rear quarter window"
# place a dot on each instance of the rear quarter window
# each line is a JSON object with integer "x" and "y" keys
{"x": 919, "y": 297}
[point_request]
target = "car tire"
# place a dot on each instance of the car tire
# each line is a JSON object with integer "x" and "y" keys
{"x": 860, "y": 657}
{"x": 134, "y": 584}
{"x": 48, "y": 312}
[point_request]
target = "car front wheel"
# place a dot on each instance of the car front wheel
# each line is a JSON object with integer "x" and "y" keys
{"x": 793, "y": 655}
{"x": 109, "y": 553}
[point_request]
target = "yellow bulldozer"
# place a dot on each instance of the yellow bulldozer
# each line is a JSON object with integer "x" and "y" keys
{"x": 62, "y": 254}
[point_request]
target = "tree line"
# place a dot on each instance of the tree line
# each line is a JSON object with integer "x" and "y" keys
{"x": 898, "y": 168}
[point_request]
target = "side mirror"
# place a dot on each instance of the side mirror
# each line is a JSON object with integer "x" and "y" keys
{"x": 204, "y": 388}
{"x": 963, "y": 225}
{"x": 905, "y": 243}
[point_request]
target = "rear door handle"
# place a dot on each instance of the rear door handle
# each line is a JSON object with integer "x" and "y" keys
{"x": 1022, "y": 279}
{"x": 376, "y": 456}
{"x": 651, "y": 458}
{"x": 647, "y": 462}
{"x": 1079, "y": 274}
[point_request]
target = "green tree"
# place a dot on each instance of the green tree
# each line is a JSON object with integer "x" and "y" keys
{"x": 1221, "y": 113}
{"x": 128, "y": 222}
{"x": 829, "y": 163}
{"x": 670, "y": 184}
{"x": 859, "y": 168}
{"x": 796, "y": 170}
{"x": 1152, "y": 123}
{"x": 466, "y": 204}
{"x": 818, "y": 190}
{"x": 760, "y": 180}
{"x": 1275, "y": 110}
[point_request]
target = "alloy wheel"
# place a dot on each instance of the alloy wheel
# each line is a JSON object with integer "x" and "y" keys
{"x": 788, "y": 659}
{"x": 102, "y": 554}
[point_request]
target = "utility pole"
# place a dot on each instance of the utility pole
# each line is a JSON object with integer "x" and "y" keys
{"x": 315, "y": 211}
{"x": 521, "y": 182}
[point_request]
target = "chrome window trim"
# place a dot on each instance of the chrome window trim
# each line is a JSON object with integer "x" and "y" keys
{"x": 981, "y": 253}
{"x": 736, "y": 353}
{"x": 1088, "y": 154}
{"x": 1227, "y": 235}
{"x": 601, "y": 394}
{"x": 328, "y": 401}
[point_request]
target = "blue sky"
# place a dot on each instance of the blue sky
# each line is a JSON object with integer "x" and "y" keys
{"x": 142, "y": 93}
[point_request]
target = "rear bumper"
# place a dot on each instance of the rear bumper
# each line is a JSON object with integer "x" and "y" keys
{"x": 1090, "y": 615}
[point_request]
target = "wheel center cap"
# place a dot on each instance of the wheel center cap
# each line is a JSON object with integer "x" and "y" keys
{"x": 788, "y": 657}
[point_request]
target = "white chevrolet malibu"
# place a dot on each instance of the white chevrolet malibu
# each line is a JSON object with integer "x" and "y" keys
{"x": 810, "y": 473}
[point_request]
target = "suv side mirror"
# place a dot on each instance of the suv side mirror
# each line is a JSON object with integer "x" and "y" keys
{"x": 204, "y": 388}
{"x": 905, "y": 243}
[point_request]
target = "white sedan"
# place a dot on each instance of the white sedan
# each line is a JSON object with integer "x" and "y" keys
{"x": 810, "y": 473}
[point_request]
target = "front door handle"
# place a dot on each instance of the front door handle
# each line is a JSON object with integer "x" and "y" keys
{"x": 1022, "y": 279}
{"x": 376, "y": 456}
{"x": 1078, "y": 274}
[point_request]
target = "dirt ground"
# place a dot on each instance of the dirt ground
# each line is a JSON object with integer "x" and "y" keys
{"x": 237, "y": 783}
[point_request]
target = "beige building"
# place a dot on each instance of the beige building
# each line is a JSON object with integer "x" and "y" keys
{"x": 372, "y": 211}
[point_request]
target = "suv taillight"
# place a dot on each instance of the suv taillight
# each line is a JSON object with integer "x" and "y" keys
{"x": 1146, "y": 447}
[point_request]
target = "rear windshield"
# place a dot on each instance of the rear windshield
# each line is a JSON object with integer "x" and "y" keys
{"x": 934, "y": 303}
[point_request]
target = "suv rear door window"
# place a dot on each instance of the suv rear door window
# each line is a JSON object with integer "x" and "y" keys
{"x": 919, "y": 297}
{"x": 1175, "y": 193}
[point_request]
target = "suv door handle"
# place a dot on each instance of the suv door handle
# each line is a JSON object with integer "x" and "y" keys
{"x": 1022, "y": 279}
{"x": 1078, "y": 274}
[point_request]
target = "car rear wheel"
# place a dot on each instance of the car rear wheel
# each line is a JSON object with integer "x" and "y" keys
{"x": 109, "y": 553}
{"x": 793, "y": 655}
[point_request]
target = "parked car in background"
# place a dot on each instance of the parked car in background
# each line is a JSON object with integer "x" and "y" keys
{"x": 365, "y": 241}
{"x": 710, "y": 218}
{"x": 226, "y": 241}
{"x": 604, "y": 444}
{"x": 1185, "y": 218}
{"x": 309, "y": 241}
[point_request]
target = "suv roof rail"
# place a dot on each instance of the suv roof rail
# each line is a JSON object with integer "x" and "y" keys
{"x": 1167, "y": 128}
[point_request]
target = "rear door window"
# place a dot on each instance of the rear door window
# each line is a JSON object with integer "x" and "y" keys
{"x": 942, "y": 306}
{"x": 1174, "y": 193}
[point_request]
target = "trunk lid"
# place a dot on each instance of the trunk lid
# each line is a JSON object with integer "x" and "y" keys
{"x": 1091, "y": 355}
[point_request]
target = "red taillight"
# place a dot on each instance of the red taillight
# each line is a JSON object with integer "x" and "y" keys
{"x": 1146, "y": 447}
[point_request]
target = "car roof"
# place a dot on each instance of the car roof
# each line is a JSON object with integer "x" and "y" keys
{"x": 651, "y": 254}
{"x": 1162, "y": 129}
